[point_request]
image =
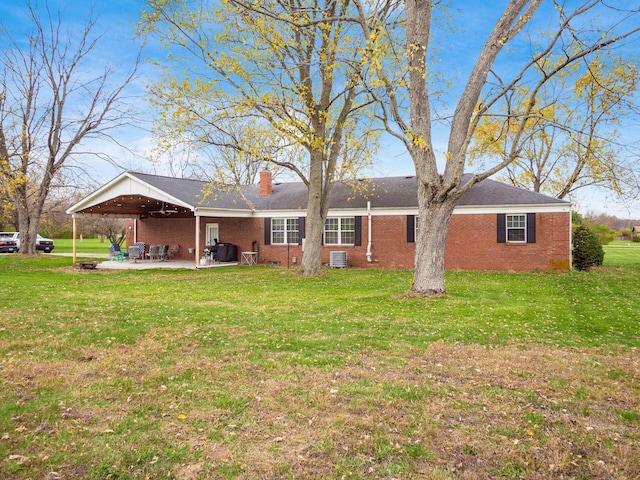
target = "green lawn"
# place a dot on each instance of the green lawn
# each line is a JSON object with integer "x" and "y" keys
{"x": 621, "y": 252}
{"x": 256, "y": 372}
{"x": 89, "y": 245}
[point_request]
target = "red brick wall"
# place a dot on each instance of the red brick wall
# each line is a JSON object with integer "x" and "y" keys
{"x": 471, "y": 242}
{"x": 165, "y": 231}
{"x": 472, "y": 245}
{"x": 181, "y": 231}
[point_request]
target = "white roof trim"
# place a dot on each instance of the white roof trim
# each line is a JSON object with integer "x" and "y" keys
{"x": 461, "y": 210}
{"x": 126, "y": 184}
{"x": 530, "y": 208}
{"x": 223, "y": 212}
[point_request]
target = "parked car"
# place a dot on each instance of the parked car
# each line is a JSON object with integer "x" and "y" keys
{"x": 8, "y": 243}
{"x": 44, "y": 244}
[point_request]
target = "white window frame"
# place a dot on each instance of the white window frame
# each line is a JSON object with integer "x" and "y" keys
{"x": 288, "y": 227}
{"x": 341, "y": 231}
{"x": 513, "y": 226}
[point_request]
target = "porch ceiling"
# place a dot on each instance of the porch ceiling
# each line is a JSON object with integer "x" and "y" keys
{"x": 136, "y": 206}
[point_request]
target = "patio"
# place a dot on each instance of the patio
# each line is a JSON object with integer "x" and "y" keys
{"x": 149, "y": 265}
{"x": 105, "y": 263}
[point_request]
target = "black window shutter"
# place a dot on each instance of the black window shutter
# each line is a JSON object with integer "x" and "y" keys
{"x": 411, "y": 228}
{"x": 300, "y": 229}
{"x": 267, "y": 231}
{"x": 531, "y": 228}
{"x": 502, "y": 228}
{"x": 357, "y": 231}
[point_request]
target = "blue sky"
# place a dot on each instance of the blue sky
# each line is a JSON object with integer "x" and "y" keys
{"x": 116, "y": 19}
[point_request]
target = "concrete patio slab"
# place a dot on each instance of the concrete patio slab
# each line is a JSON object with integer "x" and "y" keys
{"x": 105, "y": 263}
{"x": 167, "y": 265}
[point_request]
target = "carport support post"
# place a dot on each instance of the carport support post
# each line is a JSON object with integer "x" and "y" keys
{"x": 73, "y": 241}
{"x": 197, "y": 252}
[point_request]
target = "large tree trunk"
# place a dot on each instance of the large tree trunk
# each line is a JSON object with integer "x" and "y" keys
{"x": 433, "y": 224}
{"x": 29, "y": 205}
{"x": 28, "y": 226}
{"x": 317, "y": 207}
{"x": 314, "y": 229}
{"x": 25, "y": 220}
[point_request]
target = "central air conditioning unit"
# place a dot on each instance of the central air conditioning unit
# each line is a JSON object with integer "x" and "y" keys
{"x": 338, "y": 259}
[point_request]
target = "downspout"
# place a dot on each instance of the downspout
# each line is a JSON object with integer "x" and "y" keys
{"x": 570, "y": 238}
{"x": 368, "y": 231}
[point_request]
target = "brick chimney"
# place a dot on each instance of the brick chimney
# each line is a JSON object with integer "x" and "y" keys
{"x": 266, "y": 185}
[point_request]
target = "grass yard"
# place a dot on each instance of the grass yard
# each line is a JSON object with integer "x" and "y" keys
{"x": 88, "y": 245}
{"x": 621, "y": 252}
{"x": 257, "y": 373}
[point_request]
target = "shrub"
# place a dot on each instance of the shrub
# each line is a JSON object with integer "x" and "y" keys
{"x": 635, "y": 238}
{"x": 587, "y": 251}
{"x": 604, "y": 234}
{"x": 625, "y": 234}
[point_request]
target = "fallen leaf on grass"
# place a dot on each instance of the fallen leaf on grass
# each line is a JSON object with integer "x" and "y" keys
{"x": 19, "y": 458}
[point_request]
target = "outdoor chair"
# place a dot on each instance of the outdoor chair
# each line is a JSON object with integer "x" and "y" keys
{"x": 173, "y": 252}
{"x": 115, "y": 252}
{"x": 155, "y": 252}
{"x": 134, "y": 253}
{"x": 141, "y": 246}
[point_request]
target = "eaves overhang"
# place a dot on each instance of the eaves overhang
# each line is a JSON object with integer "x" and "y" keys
{"x": 563, "y": 207}
{"x": 128, "y": 196}
{"x": 224, "y": 212}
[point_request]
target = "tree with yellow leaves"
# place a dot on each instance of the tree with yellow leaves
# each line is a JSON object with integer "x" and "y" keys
{"x": 290, "y": 72}
{"x": 403, "y": 35}
{"x": 570, "y": 140}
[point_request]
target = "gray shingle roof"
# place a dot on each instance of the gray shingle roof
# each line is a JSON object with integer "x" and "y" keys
{"x": 385, "y": 192}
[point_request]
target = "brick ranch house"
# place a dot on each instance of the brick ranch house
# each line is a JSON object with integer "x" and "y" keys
{"x": 494, "y": 226}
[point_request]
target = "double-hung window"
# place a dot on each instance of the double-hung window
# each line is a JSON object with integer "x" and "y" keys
{"x": 516, "y": 228}
{"x": 285, "y": 231}
{"x": 340, "y": 231}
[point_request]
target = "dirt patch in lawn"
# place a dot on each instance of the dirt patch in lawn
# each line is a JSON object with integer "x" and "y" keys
{"x": 463, "y": 411}
{"x": 446, "y": 411}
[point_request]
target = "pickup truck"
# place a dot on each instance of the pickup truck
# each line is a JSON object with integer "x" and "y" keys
{"x": 44, "y": 244}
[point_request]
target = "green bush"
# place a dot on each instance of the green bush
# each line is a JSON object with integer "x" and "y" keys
{"x": 635, "y": 238}
{"x": 604, "y": 233}
{"x": 587, "y": 251}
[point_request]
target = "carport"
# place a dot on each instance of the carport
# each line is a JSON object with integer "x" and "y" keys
{"x": 139, "y": 196}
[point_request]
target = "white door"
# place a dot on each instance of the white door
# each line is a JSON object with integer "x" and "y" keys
{"x": 212, "y": 233}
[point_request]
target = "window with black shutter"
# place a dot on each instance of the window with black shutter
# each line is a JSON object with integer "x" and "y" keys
{"x": 411, "y": 228}
{"x": 267, "y": 231}
{"x": 358, "y": 232}
{"x": 516, "y": 228}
